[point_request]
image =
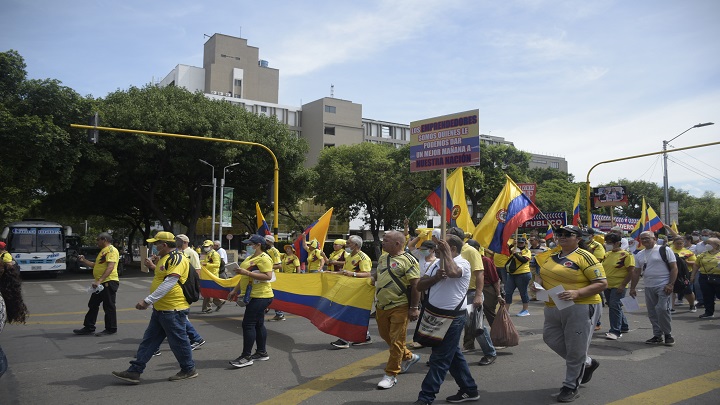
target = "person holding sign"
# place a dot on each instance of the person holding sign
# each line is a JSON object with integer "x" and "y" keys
{"x": 581, "y": 279}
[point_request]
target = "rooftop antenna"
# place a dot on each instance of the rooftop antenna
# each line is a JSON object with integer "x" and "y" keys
{"x": 206, "y": 35}
{"x": 241, "y": 31}
{"x": 332, "y": 90}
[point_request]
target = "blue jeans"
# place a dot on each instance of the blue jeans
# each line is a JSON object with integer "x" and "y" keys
{"x": 170, "y": 324}
{"x": 618, "y": 321}
{"x": 253, "y": 325}
{"x": 521, "y": 281}
{"x": 192, "y": 334}
{"x": 444, "y": 358}
{"x": 486, "y": 343}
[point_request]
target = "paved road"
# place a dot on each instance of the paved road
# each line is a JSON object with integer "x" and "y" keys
{"x": 48, "y": 364}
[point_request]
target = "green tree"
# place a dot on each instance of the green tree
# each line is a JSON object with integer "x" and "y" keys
{"x": 371, "y": 180}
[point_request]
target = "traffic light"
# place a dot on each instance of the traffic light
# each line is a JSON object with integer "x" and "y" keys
{"x": 93, "y": 134}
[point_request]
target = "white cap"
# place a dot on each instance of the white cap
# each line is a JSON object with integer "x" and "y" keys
{"x": 270, "y": 238}
{"x": 436, "y": 233}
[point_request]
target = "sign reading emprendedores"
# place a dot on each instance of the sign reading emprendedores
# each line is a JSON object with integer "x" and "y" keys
{"x": 445, "y": 142}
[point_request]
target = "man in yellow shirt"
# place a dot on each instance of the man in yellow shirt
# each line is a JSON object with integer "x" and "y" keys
{"x": 169, "y": 313}
{"x": 105, "y": 274}
{"x": 212, "y": 263}
{"x": 357, "y": 264}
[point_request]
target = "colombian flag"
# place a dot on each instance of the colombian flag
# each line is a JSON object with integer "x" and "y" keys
{"x": 317, "y": 230}
{"x": 576, "y": 209}
{"x": 456, "y": 209}
{"x": 550, "y": 234}
{"x": 337, "y": 305}
{"x": 652, "y": 221}
{"x": 639, "y": 227}
{"x": 262, "y": 227}
{"x": 510, "y": 210}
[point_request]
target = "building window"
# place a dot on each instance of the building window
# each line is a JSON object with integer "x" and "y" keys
{"x": 329, "y": 130}
{"x": 263, "y": 109}
{"x": 554, "y": 165}
{"x": 330, "y": 109}
{"x": 329, "y": 145}
{"x": 238, "y": 82}
{"x": 385, "y": 130}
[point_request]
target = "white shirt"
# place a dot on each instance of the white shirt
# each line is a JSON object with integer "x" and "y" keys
{"x": 223, "y": 254}
{"x": 656, "y": 272}
{"x": 449, "y": 292}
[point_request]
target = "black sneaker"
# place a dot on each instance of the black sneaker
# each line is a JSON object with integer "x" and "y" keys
{"x": 655, "y": 340}
{"x": 184, "y": 375}
{"x": 462, "y": 396}
{"x": 669, "y": 340}
{"x": 157, "y": 352}
{"x": 706, "y": 316}
{"x": 487, "y": 360}
{"x": 589, "y": 370}
{"x": 84, "y": 331}
{"x": 105, "y": 333}
{"x": 340, "y": 344}
{"x": 195, "y": 345}
{"x": 241, "y": 362}
{"x": 567, "y": 394}
{"x": 128, "y": 376}
{"x": 262, "y": 356}
{"x": 368, "y": 340}
{"x": 419, "y": 402}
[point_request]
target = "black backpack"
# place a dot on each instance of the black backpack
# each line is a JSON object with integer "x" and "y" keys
{"x": 191, "y": 288}
{"x": 682, "y": 282}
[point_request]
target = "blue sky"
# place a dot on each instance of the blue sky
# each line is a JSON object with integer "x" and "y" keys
{"x": 586, "y": 80}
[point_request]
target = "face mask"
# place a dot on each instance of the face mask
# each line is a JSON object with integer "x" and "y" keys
{"x": 250, "y": 250}
{"x": 154, "y": 251}
{"x": 348, "y": 250}
{"x": 424, "y": 253}
{"x": 206, "y": 249}
{"x": 704, "y": 238}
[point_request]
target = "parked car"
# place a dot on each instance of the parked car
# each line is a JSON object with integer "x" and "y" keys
{"x": 90, "y": 253}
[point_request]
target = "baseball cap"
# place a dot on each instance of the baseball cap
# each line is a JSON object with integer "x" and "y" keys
{"x": 254, "y": 239}
{"x": 162, "y": 237}
{"x": 573, "y": 229}
{"x": 270, "y": 238}
{"x": 183, "y": 238}
{"x": 207, "y": 243}
{"x": 339, "y": 242}
{"x": 314, "y": 243}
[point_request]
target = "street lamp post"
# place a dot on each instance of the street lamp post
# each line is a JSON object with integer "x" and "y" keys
{"x": 222, "y": 199}
{"x": 214, "y": 186}
{"x": 666, "y": 191}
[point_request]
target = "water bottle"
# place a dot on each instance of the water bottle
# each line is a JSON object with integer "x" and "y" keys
{"x": 93, "y": 290}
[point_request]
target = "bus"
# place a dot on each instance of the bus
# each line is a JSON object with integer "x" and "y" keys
{"x": 37, "y": 245}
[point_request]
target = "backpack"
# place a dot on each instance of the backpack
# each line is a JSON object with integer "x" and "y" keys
{"x": 191, "y": 287}
{"x": 682, "y": 282}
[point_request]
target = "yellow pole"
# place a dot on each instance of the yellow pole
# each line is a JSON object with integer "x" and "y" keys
{"x": 276, "y": 175}
{"x": 587, "y": 180}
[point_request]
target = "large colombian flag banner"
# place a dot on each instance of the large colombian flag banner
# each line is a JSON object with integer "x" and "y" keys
{"x": 317, "y": 230}
{"x": 510, "y": 210}
{"x": 337, "y": 305}
{"x": 456, "y": 209}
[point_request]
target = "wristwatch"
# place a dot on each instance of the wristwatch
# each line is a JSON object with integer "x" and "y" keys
{"x": 354, "y": 274}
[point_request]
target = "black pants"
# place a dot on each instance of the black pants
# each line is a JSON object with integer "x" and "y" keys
{"x": 107, "y": 298}
{"x": 709, "y": 291}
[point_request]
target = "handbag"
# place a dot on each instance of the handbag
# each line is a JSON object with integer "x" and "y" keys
{"x": 475, "y": 320}
{"x": 503, "y": 332}
{"x": 433, "y": 323}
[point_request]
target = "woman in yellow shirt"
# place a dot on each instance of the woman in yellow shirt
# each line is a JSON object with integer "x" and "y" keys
{"x": 256, "y": 271}
{"x": 708, "y": 265}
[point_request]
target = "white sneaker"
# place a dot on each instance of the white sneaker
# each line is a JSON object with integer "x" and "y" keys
{"x": 405, "y": 365}
{"x": 611, "y": 336}
{"x": 387, "y": 382}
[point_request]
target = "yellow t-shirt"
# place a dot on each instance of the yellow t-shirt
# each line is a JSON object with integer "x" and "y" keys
{"x": 359, "y": 262}
{"x": 212, "y": 262}
{"x": 264, "y": 264}
{"x": 337, "y": 255}
{"x": 472, "y": 255}
{"x": 108, "y": 254}
{"x": 708, "y": 263}
{"x": 686, "y": 254}
{"x": 597, "y": 250}
{"x": 290, "y": 263}
{"x": 521, "y": 268}
{"x": 617, "y": 265}
{"x": 574, "y": 271}
{"x": 405, "y": 268}
{"x": 313, "y": 260}
{"x": 172, "y": 263}
{"x": 274, "y": 255}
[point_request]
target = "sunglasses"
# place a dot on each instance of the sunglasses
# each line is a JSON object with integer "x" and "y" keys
{"x": 565, "y": 234}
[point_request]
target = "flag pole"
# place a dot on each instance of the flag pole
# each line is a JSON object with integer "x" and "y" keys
{"x": 443, "y": 214}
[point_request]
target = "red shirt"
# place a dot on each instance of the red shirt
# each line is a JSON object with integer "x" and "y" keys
{"x": 491, "y": 274}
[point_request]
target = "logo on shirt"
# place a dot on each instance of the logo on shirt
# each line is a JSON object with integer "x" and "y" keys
{"x": 597, "y": 273}
{"x": 568, "y": 264}
{"x": 393, "y": 265}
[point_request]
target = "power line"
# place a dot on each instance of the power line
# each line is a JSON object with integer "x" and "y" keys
{"x": 692, "y": 169}
{"x": 705, "y": 164}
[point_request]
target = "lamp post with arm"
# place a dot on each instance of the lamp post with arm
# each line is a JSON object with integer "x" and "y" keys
{"x": 214, "y": 186}
{"x": 666, "y": 192}
{"x": 222, "y": 199}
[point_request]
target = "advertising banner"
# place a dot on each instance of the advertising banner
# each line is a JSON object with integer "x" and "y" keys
{"x": 226, "y": 207}
{"x": 557, "y": 219}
